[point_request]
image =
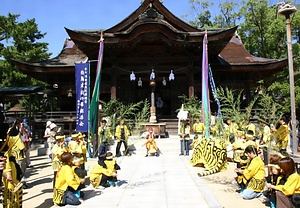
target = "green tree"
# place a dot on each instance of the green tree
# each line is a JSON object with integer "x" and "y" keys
{"x": 228, "y": 16}
{"x": 231, "y": 102}
{"x": 200, "y": 10}
{"x": 262, "y": 33}
{"x": 19, "y": 41}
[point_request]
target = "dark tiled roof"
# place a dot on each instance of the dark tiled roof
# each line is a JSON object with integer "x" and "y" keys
{"x": 68, "y": 56}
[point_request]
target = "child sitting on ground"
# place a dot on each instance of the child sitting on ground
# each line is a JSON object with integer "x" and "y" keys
{"x": 80, "y": 173}
{"x": 100, "y": 175}
{"x": 112, "y": 165}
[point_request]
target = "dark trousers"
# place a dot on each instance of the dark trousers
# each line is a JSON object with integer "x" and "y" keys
{"x": 54, "y": 178}
{"x": 103, "y": 149}
{"x": 70, "y": 198}
{"x": 184, "y": 145}
{"x": 119, "y": 146}
{"x": 104, "y": 180}
{"x": 113, "y": 179}
{"x": 265, "y": 155}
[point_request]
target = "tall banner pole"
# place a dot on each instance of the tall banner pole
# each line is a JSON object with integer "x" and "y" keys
{"x": 94, "y": 107}
{"x": 205, "y": 88}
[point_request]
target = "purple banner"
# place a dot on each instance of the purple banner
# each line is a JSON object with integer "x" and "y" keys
{"x": 82, "y": 73}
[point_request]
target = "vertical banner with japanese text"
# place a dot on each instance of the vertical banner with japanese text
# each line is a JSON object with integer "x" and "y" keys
{"x": 82, "y": 73}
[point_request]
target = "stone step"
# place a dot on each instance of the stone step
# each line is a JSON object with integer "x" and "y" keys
{"x": 171, "y": 125}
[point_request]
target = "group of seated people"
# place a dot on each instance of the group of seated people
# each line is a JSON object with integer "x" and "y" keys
{"x": 281, "y": 185}
{"x": 70, "y": 178}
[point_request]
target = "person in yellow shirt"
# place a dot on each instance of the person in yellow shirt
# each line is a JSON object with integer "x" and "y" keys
{"x": 16, "y": 146}
{"x": 251, "y": 126}
{"x": 57, "y": 150}
{"x": 253, "y": 174}
{"x": 66, "y": 183}
{"x": 99, "y": 175}
{"x": 265, "y": 139}
{"x": 282, "y": 136}
{"x": 12, "y": 174}
{"x": 77, "y": 146}
{"x": 80, "y": 174}
{"x": 290, "y": 187}
{"x": 232, "y": 130}
{"x": 150, "y": 144}
{"x": 122, "y": 133}
{"x": 198, "y": 129}
{"x": 111, "y": 164}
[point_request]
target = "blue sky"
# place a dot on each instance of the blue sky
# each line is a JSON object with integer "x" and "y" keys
{"x": 52, "y": 16}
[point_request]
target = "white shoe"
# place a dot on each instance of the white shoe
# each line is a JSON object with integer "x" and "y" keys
{"x": 100, "y": 187}
{"x": 24, "y": 179}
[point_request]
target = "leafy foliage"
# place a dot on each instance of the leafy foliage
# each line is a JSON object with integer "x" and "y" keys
{"x": 132, "y": 113}
{"x": 19, "y": 41}
{"x": 231, "y": 101}
{"x": 200, "y": 10}
{"x": 192, "y": 105}
{"x": 272, "y": 110}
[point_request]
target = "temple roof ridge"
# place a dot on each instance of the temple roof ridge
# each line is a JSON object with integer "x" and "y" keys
{"x": 157, "y": 7}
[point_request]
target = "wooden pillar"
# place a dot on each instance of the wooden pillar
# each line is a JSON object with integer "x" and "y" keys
{"x": 113, "y": 88}
{"x": 247, "y": 93}
{"x": 191, "y": 83}
{"x": 152, "y": 107}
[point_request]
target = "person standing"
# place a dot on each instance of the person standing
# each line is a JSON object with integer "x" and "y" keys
{"x": 105, "y": 136}
{"x": 265, "y": 141}
{"x": 282, "y": 136}
{"x": 198, "y": 129}
{"x": 16, "y": 145}
{"x": 13, "y": 173}
{"x": 184, "y": 134}
{"x": 47, "y": 133}
{"x": 122, "y": 134}
{"x": 51, "y": 139}
{"x": 26, "y": 138}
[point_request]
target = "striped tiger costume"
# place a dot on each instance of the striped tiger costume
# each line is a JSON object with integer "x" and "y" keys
{"x": 212, "y": 154}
